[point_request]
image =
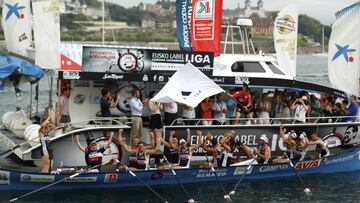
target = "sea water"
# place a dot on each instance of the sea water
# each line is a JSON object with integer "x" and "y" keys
{"x": 325, "y": 188}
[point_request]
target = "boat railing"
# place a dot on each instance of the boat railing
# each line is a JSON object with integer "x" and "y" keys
{"x": 289, "y": 120}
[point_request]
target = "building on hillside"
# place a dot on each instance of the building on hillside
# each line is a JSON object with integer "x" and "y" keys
{"x": 157, "y": 8}
{"x": 247, "y": 11}
{"x": 161, "y": 25}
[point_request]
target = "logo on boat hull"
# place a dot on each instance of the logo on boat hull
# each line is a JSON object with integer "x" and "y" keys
{"x": 241, "y": 170}
{"x": 110, "y": 178}
{"x": 207, "y": 173}
{"x": 308, "y": 164}
{"x": 37, "y": 178}
{"x": 273, "y": 168}
{"x": 81, "y": 180}
{"x": 4, "y": 177}
{"x": 157, "y": 175}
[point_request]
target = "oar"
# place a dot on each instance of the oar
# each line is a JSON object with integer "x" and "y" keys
{"x": 141, "y": 181}
{"x": 59, "y": 181}
{"x": 190, "y": 200}
{"x": 226, "y": 196}
{"x": 17, "y": 146}
{"x": 306, "y": 189}
{"x": 232, "y": 192}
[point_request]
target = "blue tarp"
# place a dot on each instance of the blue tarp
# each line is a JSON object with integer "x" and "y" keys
{"x": 9, "y": 64}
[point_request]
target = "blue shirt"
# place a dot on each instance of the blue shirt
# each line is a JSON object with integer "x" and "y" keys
{"x": 232, "y": 112}
{"x": 136, "y": 107}
{"x": 105, "y": 107}
{"x": 353, "y": 109}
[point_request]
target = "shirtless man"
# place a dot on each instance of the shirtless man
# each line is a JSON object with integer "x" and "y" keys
{"x": 263, "y": 151}
{"x": 227, "y": 142}
{"x": 321, "y": 147}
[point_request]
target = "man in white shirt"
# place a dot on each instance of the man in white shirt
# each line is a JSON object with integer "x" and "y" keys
{"x": 170, "y": 110}
{"x": 136, "y": 107}
{"x": 220, "y": 109}
{"x": 63, "y": 108}
{"x": 188, "y": 113}
{"x": 300, "y": 108}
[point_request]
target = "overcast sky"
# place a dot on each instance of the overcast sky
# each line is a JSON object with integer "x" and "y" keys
{"x": 323, "y": 10}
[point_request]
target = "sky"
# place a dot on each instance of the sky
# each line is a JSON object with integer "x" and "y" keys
{"x": 322, "y": 10}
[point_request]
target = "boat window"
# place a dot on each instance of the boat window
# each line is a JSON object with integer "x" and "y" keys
{"x": 247, "y": 67}
{"x": 274, "y": 69}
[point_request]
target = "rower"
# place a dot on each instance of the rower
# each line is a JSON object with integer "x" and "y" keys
{"x": 186, "y": 151}
{"x": 301, "y": 147}
{"x": 212, "y": 147}
{"x": 94, "y": 154}
{"x": 243, "y": 148}
{"x": 134, "y": 142}
{"x": 172, "y": 145}
{"x": 227, "y": 142}
{"x": 263, "y": 151}
{"x": 321, "y": 147}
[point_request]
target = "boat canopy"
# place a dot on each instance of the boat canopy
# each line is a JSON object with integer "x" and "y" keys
{"x": 11, "y": 64}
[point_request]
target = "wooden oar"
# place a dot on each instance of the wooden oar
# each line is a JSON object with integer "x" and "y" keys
{"x": 141, "y": 181}
{"x": 190, "y": 200}
{"x": 306, "y": 189}
{"x": 17, "y": 146}
{"x": 226, "y": 196}
{"x": 59, "y": 181}
{"x": 232, "y": 192}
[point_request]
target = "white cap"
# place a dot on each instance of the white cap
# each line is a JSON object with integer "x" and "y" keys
{"x": 182, "y": 141}
{"x": 265, "y": 139}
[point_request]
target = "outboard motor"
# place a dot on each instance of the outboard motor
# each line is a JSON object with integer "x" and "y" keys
{"x": 15, "y": 77}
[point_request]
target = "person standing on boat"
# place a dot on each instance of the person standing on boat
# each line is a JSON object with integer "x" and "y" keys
{"x": 188, "y": 114}
{"x": 136, "y": 107}
{"x": 170, "y": 115}
{"x": 93, "y": 153}
{"x": 231, "y": 105}
{"x": 227, "y": 142}
{"x": 206, "y": 111}
{"x": 106, "y": 104}
{"x": 155, "y": 118}
{"x": 300, "y": 109}
{"x": 63, "y": 105}
{"x": 352, "y": 111}
{"x": 263, "y": 151}
{"x": 264, "y": 109}
{"x": 244, "y": 103}
{"x": 220, "y": 110}
{"x": 321, "y": 147}
{"x": 44, "y": 137}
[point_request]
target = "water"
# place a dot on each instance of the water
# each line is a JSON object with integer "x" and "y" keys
{"x": 325, "y": 188}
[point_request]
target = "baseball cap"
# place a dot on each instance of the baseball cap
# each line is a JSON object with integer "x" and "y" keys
{"x": 182, "y": 141}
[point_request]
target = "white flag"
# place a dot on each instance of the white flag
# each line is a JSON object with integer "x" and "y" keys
{"x": 187, "y": 86}
{"x": 344, "y": 50}
{"x": 16, "y": 25}
{"x": 47, "y": 33}
{"x": 285, "y": 38}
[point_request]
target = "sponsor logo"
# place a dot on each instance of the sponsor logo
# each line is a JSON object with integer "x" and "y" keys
{"x": 79, "y": 99}
{"x": 71, "y": 75}
{"x": 128, "y": 62}
{"x": 285, "y": 25}
{"x": 110, "y": 178}
{"x": 344, "y": 51}
{"x": 241, "y": 170}
{"x": 145, "y": 78}
{"x": 4, "y": 177}
{"x": 218, "y": 80}
{"x": 308, "y": 164}
{"x": 22, "y": 37}
{"x": 341, "y": 159}
{"x": 157, "y": 175}
{"x": 273, "y": 168}
{"x": 241, "y": 80}
{"x": 14, "y": 9}
{"x": 113, "y": 77}
{"x": 37, "y": 178}
{"x": 204, "y": 9}
{"x": 81, "y": 83}
{"x": 206, "y": 173}
{"x": 81, "y": 180}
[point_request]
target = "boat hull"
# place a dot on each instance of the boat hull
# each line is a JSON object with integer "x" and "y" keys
{"x": 346, "y": 161}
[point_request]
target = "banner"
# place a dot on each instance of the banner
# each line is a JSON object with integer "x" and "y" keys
{"x": 285, "y": 38}
{"x": 199, "y": 25}
{"x": 187, "y": 86}
{"x": 71, "y": 56}
{"x": 47, "y": 33}
{"x": 344, "y": 50}
{"x": 16, "y": 25}
{"x": 129, "y": 60}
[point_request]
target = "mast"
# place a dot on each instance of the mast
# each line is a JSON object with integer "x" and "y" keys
{"x": 323, "y": 39}
{"x": 103, "y": 22}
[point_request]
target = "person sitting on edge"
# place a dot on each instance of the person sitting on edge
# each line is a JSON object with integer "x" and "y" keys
{"x": 142, "y": 152}
{"x": 244, "y": 103}
{"x": 93, "y": 153}
{"x": 44, "y": 137}
{"x": 213, "y": 148}
{"x": 321, "y": 147}
{"x": 263, "y": 151}
{"x": 352, "y": 111}
{"x": 227, "y": 142}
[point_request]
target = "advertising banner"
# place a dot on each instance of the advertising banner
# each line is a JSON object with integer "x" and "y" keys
{"x": 199, "y": 25}
{"x": 126, "y": 60}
